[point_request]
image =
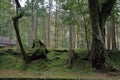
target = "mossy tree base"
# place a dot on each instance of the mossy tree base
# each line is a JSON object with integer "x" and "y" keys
{"x": 38, "y": 51}
{"x": 71, "y": 58}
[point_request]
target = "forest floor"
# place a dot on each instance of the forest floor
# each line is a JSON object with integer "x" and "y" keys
{"x": 12, "y": 66}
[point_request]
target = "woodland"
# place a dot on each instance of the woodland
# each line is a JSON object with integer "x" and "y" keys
{"x": 60, "y": 39}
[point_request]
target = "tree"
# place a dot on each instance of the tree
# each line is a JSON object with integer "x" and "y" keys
{"x": 44, "y": 22}
{"x": 56, "y": 22}
{"x": 70, "y": 20}
{"x": 15, "y": 22}
{"x": 49, "y": 22}
{"x": 34, "y": 19}
{"x": 111, "y": 35}
{"x": 99, "y": 14}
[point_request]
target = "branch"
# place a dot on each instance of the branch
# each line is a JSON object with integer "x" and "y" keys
{"x": 107, "y": 7}
{"x": 17, "y": 3}
{"x": 17, "y": 17}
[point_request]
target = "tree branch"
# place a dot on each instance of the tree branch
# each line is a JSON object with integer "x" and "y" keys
{"x": 107, "y": 7}
{"x": 17, "y": 3}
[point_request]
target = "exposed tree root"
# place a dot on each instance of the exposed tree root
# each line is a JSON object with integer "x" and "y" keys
{"x": 71, "y": 59}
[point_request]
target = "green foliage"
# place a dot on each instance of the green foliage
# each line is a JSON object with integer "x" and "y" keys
{"x": 70, "y": 19}
{"x": 70, "y": 7}
{"x": 42, "y": 12}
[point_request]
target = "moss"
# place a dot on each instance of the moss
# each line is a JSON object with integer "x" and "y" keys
{"x": 56, "y": 68}
{"x": 30, "y": 51}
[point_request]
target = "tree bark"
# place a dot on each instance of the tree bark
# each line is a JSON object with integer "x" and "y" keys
{"x": 44, "y": 25}
{"x": 56, "y": 23}
{"x": 113, "y": 35}
{"x": 49, "y": 22}
{"x": 34, "y": 19}
{"x": 15, "y": 23}
{"x": 108, "y": 35}
{"x": 71, "y": 57}
{"x": 99, "y": 16}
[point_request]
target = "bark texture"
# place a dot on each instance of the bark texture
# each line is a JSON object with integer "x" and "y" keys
{"x": 71, "y": 57}
{"x": 99, "y": 14}
{"x": 15, "y": 22}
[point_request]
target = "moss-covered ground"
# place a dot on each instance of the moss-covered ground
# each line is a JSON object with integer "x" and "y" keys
{"x": 12, "y": 66}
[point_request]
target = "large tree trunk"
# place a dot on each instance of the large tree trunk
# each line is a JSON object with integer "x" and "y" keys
{"x": 99, "y": 16}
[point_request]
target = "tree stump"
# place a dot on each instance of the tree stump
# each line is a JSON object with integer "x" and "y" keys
{"x": 39, "y": 51}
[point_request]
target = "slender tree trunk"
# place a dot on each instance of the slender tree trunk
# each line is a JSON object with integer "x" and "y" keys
{"x": 108, "y": 35}
{"x": 15, "y": 23}
{"x": 30, "y": 34}
{"x": 64, "y": 36}
{"x": 71, "y": 52}
{"x": 49, "y": 22}
{"x": 73, "y": 36}
{"x": 9, "y": 30}
{"x": 34, "y": 19}
{"x": 86, "y": 34}
{"x": 44, "y": 24}
{"x": 113, "y": 35}
{"x": 117, "y": 35}
{"x": 56, "y": 23}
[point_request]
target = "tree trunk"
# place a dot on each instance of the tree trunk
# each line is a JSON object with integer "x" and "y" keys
{"x": 56, "y": 23}
{"x": 34, "y": 19}
{"x": 117, "y": 35}
{"x": 44, "y": 25}
{"x": 64, "y": 36}
{"x": 113, "y": 35}
{"x": 15, "y": 23}
{"x": 108, "y": 35}
{"x": 71, "y": 57}
{"x": 49, "y": 22}
{"x": 99, "y": 16}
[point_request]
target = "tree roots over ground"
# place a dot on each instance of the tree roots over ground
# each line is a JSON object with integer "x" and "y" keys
{"x": 38, "y": 51}
{"x": 107, "y": 66}
{"x": 71, "y": 58}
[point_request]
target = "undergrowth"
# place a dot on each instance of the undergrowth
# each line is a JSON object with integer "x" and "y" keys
{"x": 55, "y": 65}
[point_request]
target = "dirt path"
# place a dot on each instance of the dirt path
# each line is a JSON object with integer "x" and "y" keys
{"x": 26, "y": 74}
